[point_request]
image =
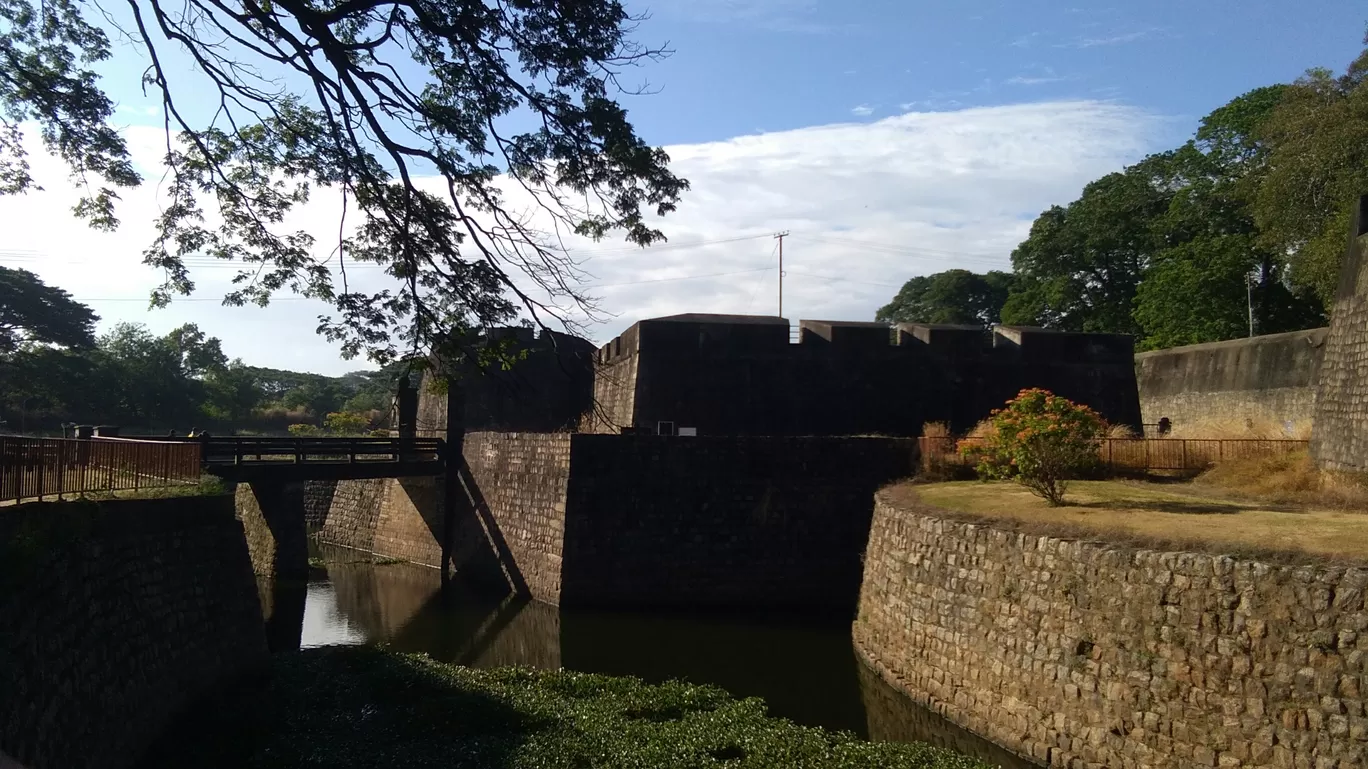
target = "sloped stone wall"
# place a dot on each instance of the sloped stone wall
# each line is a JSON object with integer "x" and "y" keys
{"x": 1083, "y": 655}
{"x": 1339, "y": 440}
{"x": 1270, "y": 378}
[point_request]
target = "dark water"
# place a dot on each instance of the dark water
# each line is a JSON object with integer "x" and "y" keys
{"x": 806, "y": 671}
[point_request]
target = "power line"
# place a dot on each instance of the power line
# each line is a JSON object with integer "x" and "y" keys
{"x": 311, "y": 299}
{"x": 912, "y": 251}
{"x": 846, "y": 280}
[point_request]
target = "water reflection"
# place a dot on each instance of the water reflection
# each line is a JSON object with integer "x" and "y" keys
{"x": 805, "y": 672}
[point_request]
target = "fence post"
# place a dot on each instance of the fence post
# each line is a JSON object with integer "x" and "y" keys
{"x": 1185, "y": 462}
{"x": 41, "y": 461}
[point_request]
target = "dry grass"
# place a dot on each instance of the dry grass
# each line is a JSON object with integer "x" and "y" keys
{"x": 1287, "y": 479}
{"x": 1265, "y": 429}
{"x": 1121, "y": 431}
{"x": 936, "y": 430}
{"x": 1156, "y": 516}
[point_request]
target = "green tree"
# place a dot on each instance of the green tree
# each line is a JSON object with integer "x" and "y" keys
{"x": 1080, "y": 267}
{"x": 1212, "y": 269}
{"x": 1317, "y": 169}
{"x": 1041, "y": 441}
{"x": 318, "y": 397}
{"x": 1166, "y": 250}
{"x": 32, "y": 312}
{"x": 954, "y": 296}
{"x": 231, "y": 392}
{"x": 361, "y": 98}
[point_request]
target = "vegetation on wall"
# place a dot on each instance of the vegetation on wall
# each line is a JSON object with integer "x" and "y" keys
{"x": 1238, "y": 231}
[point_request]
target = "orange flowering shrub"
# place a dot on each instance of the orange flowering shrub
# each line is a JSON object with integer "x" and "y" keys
{"x": 1039, "y": 440}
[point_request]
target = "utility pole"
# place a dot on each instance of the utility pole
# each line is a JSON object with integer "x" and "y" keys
{"x": 781, "y": 237}
{"x": 1249, "y": 297}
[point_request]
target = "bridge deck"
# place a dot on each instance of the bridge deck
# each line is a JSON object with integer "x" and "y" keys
{"x": 322, "y": 458}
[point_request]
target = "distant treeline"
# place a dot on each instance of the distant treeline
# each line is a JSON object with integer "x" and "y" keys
{"x": 54, "y": 370}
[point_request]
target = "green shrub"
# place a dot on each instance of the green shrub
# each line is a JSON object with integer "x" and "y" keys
{"x": 1039, "y": 440}
{"x": 346, "y": 423}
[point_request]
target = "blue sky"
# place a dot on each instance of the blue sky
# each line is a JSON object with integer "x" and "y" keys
{"x": 892, "y": 139}
{"x": 743, "y": 65}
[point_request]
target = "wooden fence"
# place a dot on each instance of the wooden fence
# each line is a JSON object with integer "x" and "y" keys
{"x": 1181, "y": 454}
{"x": 34, "y": 468}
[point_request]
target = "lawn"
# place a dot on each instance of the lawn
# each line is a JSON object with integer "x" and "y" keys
{"x": 1161, "y": 515}
{"x": 364, "y": 707}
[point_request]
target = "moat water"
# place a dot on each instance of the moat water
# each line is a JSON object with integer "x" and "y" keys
{"x": 806, "y": 670}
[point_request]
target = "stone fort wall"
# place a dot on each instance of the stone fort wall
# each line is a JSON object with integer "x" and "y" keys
{"x": 1081, "y": 654}
{"x": 626, "y": 520}
{"x": 1271, "y": 378}
{"x": 1339, "y": 440}
{"x": 116, "y": 616}
{"x": 741, "y": 375}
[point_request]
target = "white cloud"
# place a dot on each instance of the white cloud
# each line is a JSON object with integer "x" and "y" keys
{"x": 863, "y": 110}
{"x": 1032, "y": 80}
{"x": 868, "y": 205}
{"x": 1121, "y": 39}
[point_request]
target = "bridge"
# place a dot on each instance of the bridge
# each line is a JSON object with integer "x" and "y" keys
{"x": 37, "y": 468}
{"x": 312, "y": 459}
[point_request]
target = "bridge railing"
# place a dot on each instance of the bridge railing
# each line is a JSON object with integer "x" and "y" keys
{"x": 34, "y": 468}
{"x": 238, "y": 451}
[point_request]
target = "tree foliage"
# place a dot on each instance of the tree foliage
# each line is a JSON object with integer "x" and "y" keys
{"x": 34, "y": 313}
{"x": 1041, "y": 441}
{"x": 954, "y": 296}
{"x": 1317, "y": 169}
{"x": 1172, "y": 249}
{"x": 509, "y": 106}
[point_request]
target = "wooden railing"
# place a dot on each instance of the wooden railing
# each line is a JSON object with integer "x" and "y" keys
{"x": 270, "y": 451}
{"x": 1184, "y": 454}
{"x": 34, "y": 468}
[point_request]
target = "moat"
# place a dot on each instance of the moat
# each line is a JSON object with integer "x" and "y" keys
{"x": 805, "y": 669}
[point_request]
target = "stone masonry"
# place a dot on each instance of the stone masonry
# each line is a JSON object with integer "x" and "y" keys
{"x": 1339, "y": 440}
{"x": 116, "y": 616}
{"x": 623, "y": 520}
{"x": 1271, "y": 378}
{"x": 1079, "y": 654}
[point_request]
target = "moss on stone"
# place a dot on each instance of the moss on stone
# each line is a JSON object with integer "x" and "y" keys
{"x": 358, "y": 706}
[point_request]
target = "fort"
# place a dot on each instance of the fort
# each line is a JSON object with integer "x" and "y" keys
{"x": 741, "y": 375}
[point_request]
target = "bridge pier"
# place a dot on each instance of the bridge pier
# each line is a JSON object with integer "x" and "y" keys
{"x": 272, "y": 515}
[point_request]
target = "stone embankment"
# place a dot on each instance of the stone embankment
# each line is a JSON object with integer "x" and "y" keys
{"x": 1081, "y": 654}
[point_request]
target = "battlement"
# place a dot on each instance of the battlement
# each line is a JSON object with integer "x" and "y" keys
{"x": 741, "y": 374}
{"x": 766, "y": 334}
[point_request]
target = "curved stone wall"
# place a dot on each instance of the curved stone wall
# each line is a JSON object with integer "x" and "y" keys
{"x": 1080, "y": 654}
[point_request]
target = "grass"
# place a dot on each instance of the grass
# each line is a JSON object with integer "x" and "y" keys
{"x": 348, "y": 707}
{"x": 1179, "y": 516}
{"x": 319, "y": 562}
{"x": 1288, "y": 479}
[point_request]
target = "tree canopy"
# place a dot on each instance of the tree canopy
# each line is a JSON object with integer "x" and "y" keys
{"x": 136, "y": 378}
{"x": 954, "y": 296}
{"x": 509, "y": 105}
{"x": 32, "y": 312}
{"x": 1240, "y": 230}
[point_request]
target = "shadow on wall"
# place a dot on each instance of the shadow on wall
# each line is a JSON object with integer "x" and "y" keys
{"x": 478, "y": 546}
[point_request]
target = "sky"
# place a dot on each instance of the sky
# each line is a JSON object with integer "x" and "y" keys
{"x": 889, "y": 138}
